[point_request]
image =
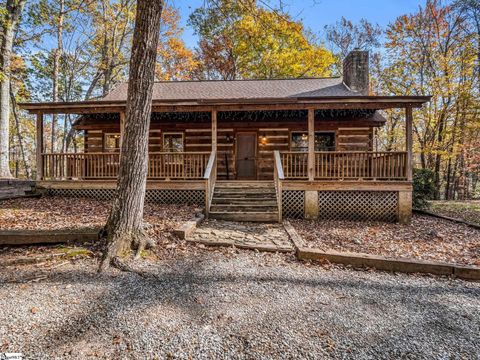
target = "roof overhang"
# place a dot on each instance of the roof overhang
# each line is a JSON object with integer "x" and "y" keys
{"x": 258, "y": 104}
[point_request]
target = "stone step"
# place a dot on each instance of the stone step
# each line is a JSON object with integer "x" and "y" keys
{"x": 245, "y": 216}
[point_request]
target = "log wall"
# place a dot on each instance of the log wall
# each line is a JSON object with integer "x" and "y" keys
{"x": 350, "y": 136}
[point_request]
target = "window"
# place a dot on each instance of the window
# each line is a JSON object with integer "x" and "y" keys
{"x": 173, "y": 142}
{"x": 112, "y": 142}
{"x": 324, "y": 141}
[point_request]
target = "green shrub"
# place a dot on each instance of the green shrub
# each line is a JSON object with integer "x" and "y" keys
{"x": 423, "y": 187}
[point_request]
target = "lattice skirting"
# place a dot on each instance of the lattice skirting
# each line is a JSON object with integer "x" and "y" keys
{"x": 293, "y": 203}
{"x": 358, "y": 205}
{"x": 152, "y": 195}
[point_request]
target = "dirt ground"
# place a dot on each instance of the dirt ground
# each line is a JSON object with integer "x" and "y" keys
{"x": 426, "y": 238}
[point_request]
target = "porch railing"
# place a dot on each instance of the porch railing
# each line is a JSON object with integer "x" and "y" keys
{"x": 295, "y": 164}
{"x": 346, "y": 165}
{"x": 329, "y": 165}
{"x": 210, "y": 178}
{"x": 83, "y": 166}
{"x": 369, "y": 165}
{"x": 278, "y": 177}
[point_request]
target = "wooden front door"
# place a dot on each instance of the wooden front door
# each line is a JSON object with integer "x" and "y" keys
{"x": 246, "y": 156}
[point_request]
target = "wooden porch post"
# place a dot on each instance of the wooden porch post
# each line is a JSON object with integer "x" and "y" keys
{"x": 214, "y": 130}
{"x": 311, "y": 197}
{"x": 39, "y": 146}
{"x": 122, "y": 127}
{"x": 214, "y": 140}
{"x": 405, "y": 197}
{"x": 311, "y": 144}
{"x": 409, "y": 141}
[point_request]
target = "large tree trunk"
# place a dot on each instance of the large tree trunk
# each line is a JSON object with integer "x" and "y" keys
{"x": 56, "y": 68}
{"x": 124, "y": 228}
{"x": 7, "y": 32}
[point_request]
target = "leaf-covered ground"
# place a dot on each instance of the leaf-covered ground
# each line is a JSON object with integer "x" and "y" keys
{"x": 54, "y": 213}
{"x": 426, "y": 238}
{"x": 463, "y": 210}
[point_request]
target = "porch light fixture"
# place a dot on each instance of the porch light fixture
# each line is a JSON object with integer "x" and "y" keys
{"x": 264, "y": 139}
{"x": 304, "y": 137}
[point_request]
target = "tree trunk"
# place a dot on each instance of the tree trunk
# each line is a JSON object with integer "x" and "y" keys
{"x": 124, "y": 228}
{"x": 56, "y": 68}
{"x": 438, "y": 156}
{"x": 19, "y": 134}
{"x": 448, "y": 177}
{"x": 8, "y": 28}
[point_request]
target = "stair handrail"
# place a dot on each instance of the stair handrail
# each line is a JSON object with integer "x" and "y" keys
{"x": 210, "y": 177}
{"x": 278, "y": 177}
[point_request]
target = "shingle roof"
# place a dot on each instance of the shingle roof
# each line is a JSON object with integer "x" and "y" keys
{"x": 240, "y": 89}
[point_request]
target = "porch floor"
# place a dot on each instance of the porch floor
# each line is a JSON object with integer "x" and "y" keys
{"x": 245, "y": 235}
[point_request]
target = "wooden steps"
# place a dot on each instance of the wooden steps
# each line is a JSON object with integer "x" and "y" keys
{"x": 254, "y": 201}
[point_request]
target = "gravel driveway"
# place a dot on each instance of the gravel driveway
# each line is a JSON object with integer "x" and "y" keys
{"x": 227, "y": 304}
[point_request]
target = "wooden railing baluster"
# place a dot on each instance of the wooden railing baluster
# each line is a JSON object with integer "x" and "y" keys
{"x": 83, "y": 166}
{"x": 346, "y": 165}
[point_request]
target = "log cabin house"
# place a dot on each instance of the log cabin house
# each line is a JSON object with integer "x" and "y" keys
{"x": 252, "y": 150}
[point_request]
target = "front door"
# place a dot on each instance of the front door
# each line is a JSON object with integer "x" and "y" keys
{"x": 246, "y": 156}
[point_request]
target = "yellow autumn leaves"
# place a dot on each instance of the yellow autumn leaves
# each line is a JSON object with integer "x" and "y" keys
{"x": 269, "y": 46}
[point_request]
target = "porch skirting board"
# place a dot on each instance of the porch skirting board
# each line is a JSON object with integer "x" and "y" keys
{"x": 358, "y": 205}
{"x": 156, "y": 196}
{"x": 293, "y": 204}
{"x": 388, "y": 206}
{"x": 355, "y": 205}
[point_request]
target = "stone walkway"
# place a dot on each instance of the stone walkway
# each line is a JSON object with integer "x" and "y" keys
{"x": 246, "y": 235}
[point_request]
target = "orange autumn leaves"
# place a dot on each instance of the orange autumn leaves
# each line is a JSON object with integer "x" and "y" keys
{"x": 174, "y": 61}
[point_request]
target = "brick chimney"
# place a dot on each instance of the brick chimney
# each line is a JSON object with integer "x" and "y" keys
{"x": 355, "y": 71}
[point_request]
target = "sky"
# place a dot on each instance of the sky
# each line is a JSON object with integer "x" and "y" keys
{"x": 317, "y": 13}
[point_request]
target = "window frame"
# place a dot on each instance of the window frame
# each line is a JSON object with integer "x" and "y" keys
{"x": 173, "y": 133}
{"x": 334, "y": 132}
{"x": 110, "y": 149}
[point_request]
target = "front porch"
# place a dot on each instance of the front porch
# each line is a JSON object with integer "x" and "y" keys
{"x": 355, "y": 185}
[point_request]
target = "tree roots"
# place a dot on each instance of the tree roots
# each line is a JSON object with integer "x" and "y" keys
{"x": 119, "y": 244}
